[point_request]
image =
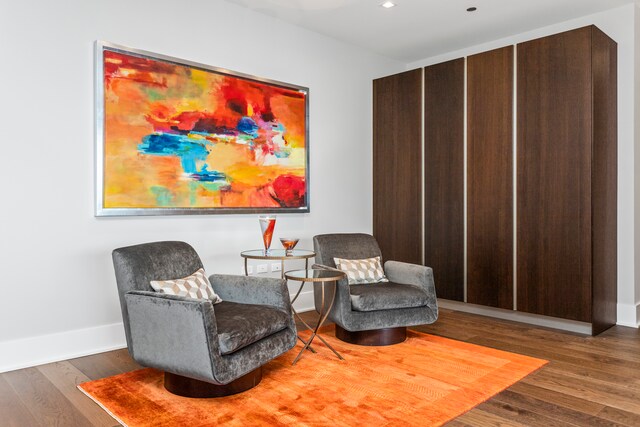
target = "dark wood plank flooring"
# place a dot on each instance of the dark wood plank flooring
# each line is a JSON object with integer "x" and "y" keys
{"x": 590, "y": 381}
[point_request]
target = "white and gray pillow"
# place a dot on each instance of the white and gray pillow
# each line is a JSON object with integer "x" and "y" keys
{"x": 361, "y": 271}
{"x": 194, "y": 286}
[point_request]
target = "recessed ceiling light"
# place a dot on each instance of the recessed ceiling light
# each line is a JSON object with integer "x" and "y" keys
{"x": 388, "y": 4}
{"x": 472, "y": 9}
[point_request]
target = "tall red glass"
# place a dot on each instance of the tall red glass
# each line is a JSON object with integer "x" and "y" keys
{"x": 267, "y": 224}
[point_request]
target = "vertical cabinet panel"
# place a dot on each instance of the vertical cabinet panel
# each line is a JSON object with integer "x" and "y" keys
{"x": 490, "y": 178}
{"x": 444, "y": 176}
{"x": 605, "y": 181}
{"x": 397, "y": 168}
{"x": 554, "y": 175}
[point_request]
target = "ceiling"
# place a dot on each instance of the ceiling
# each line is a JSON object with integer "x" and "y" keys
{"x": 417, "y": 29}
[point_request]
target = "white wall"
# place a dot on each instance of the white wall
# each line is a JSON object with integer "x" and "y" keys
{"x": 59, "y": 293}
{"x": 619, "y": 24}
{"x": 57, "y": 254}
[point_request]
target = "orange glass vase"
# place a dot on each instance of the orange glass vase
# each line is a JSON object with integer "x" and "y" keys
{"x": 267, "y": 224}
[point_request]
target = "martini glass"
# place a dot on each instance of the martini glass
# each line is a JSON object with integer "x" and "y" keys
{"x": 288, "y": 243}
{"x": 267, "y": 224}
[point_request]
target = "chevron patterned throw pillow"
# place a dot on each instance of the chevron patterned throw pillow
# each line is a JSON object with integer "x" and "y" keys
{"x": 194, "y": 286}
{"x": 361, "y": 271}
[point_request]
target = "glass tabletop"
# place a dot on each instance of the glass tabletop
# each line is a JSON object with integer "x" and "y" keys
{"x": 314, "y": 275}
{"x": 278, "y": 254}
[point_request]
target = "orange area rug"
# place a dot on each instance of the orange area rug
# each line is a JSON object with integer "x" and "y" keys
{"x": 425, "y": 381}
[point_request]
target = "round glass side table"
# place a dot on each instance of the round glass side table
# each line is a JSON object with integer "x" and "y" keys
{"x": 277, "y": 254}
{"x": 323, "y": 277}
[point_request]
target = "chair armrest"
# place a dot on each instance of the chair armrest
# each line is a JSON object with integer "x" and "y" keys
{"x": 252, "y": 290}
{"x": 172, "y": 333}
{"x": 412, "y": 274}
{"x": 161, "y": 296}
{"x": 325, "y": 267}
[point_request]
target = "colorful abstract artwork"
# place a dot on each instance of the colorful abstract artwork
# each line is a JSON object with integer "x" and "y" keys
{"x": 178, "y": 137}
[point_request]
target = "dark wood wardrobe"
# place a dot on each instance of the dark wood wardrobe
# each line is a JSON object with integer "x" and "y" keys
{"x": 518, "y": 150}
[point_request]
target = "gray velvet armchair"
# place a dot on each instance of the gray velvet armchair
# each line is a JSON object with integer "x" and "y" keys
{"x": 376, "y": 314}
{"x": 205, "y": 350}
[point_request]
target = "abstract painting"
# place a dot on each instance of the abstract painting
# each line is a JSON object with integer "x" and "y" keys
{"x": 177, "y": 137}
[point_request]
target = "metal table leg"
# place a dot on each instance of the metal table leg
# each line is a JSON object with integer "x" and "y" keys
{"x": 295, "y": 313}
{"x": 321, "y": 320}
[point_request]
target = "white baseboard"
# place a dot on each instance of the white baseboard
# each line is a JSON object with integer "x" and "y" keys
{"x": 27, "y": 352}
{"x": 304, "y": 302}
{"x": 629, "y": 315}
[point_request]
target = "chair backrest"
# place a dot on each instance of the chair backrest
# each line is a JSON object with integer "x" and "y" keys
{"x": 136, "y": 266}
{"x": 348, "y": 246}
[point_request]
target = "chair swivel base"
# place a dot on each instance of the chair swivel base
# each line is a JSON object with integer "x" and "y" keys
{"x": 373, "y": 337}
{"x": 189, "y": 387}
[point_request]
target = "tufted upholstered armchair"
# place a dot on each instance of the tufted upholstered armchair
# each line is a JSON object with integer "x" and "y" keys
{"x": 376, "y": 314}
{"x": 205, "y": 350}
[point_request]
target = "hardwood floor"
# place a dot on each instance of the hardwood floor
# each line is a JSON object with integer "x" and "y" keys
{"x": 590, "y": 381}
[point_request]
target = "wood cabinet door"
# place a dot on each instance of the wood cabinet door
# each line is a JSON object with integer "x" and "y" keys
{"x": 605, "y": 181}
{"x": 554, "y": 155}
{"x": 444, "y": 176}
{"x": 397, "y": 166}
{"x": 490, "y": 178}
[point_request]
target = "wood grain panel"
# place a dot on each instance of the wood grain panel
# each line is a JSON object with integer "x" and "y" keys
{"x": 554, "y": 175}
{"x": 45, "y": 402}
{"x": 444, "y": 176}
{"x": 98, "y": 366}
{"x": 605, "y": 181}
{"x": 65, "y": 377}
{"x": 490, "y": 178}
{"x": 14, "y": 413}
{"x": 397, "y": 168}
